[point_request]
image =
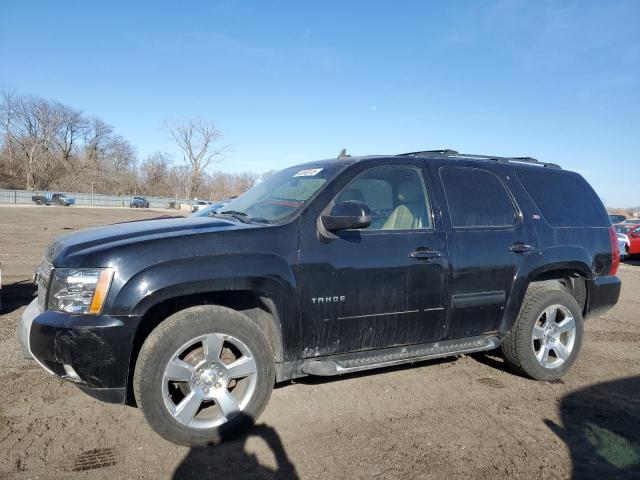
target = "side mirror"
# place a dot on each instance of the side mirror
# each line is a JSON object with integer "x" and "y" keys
{"x": 347, "y": 215}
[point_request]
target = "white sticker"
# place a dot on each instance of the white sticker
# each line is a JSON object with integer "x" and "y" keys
{"x": 310, "y": 172}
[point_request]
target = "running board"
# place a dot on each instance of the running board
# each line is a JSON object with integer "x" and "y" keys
{"x": 367, "y": 360}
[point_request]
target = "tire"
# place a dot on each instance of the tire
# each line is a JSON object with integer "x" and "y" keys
{"x": 523, "y": 348}
{"x": 153, "y": 392}
{"x": 39, "y": 202}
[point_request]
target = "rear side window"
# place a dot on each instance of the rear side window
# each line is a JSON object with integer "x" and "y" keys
{"x": 564, "y": 199}
{"x": 476, "y": 198}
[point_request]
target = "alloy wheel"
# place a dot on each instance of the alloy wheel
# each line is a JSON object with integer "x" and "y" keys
{"x": 209, "y": 381}
{"x": 554, "y": 336}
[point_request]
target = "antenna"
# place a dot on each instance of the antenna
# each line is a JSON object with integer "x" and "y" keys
{"x": 343, "y": 154}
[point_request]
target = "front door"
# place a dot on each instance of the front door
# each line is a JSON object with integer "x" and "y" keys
{"x": 377, "y": 287}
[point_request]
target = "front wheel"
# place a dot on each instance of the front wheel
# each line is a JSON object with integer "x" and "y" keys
{"x": 204, "y": 375}
{"x": 547, "y": 336}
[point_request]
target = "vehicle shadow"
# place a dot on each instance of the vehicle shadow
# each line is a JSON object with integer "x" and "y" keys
{"x": 16, "y": 295}
{"x": 493, "y": 359}
{"x": 601, "y": 427}
{"x": 230, "y": 460}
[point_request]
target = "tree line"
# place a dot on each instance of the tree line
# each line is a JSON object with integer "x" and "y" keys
{"x": 46, "y": 145}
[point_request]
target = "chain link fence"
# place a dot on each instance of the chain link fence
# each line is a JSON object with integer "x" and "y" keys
{"x": 17, "y": 197}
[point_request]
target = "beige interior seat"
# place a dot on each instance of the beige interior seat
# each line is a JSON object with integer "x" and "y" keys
{"x": 410, "y": 213}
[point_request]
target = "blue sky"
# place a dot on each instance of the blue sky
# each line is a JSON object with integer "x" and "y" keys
{"x": 288, "y": 82}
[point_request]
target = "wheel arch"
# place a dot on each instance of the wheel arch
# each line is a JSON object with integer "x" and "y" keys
{"x": 571, "y": 276}
{"x": 260, "y": 309}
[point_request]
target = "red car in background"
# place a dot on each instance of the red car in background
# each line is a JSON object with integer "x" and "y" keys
{"x": 633, "y": 233}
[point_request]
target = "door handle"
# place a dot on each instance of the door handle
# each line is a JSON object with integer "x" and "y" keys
{"x": 521, "y": 247}
{"x": 423, "y": 253}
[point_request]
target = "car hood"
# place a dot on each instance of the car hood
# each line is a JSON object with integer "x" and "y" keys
{"x": 110, "y": 236}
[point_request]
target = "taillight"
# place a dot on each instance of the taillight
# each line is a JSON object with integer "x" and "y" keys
{"x": 615, "y": 251}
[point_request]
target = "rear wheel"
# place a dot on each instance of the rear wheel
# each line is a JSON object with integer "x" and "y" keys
{"x": 547, "y": 336}
{"x": 204, "y": 375}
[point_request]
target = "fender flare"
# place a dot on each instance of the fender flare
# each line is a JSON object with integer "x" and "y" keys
{"x": 267, "y": 277}
{"x": 558, "y": 258}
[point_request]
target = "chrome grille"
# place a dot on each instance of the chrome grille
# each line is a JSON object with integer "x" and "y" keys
{"x": 43, "y": 273}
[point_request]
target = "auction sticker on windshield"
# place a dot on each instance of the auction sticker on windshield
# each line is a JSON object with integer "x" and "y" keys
{"x": 310, "y": 172}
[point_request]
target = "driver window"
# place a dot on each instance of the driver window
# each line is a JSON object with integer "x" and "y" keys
{"x": 395, "y": 195}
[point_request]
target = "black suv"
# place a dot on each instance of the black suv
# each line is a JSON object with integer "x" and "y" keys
{"x": 325, "y": 268}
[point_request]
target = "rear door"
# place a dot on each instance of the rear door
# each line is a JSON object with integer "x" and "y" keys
{"x": 487, "y": 241}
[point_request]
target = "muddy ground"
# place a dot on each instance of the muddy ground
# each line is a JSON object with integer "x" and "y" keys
{"x": 457, "y": 418}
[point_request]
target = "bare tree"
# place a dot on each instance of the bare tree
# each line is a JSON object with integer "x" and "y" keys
{"x": 197, "y": 138}
{"x": 35, "y": 126}
{"x": 45, "y": 144}
{"x": 72, "y": 127}
{"x": 7, "y": 114}
{"x": 181, "y": 180}
{"x": 222, "y": 185}
{"x": 155, "y": 175}
{"x": 96, "y": 139}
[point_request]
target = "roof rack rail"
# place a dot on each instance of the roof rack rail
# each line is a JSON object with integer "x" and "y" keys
{"x": 531, "y": 160}
{"x": 470, "y": 156}
{"x": 446, "y": 151}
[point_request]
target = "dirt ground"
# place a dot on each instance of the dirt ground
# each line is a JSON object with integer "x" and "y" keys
{"x": 466, "y": 417}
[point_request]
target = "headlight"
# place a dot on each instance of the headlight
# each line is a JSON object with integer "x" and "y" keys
{"x": 79, "y": 290}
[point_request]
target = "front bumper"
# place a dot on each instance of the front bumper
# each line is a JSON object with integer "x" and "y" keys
{"x": 603, "y": 293}
{"x": 96, "y": 347}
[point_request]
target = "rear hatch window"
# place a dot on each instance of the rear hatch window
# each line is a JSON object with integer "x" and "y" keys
{"x": 564, "y": 199}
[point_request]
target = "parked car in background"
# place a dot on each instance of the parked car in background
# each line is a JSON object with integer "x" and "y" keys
{"x": 632, "y": 221}
{"x": 139, "y": 202}
{"x": 199, "y": 204}
{"x": 215, "y": 207}
{"x": 617, "y": 218}
{"x": 633, "y": 233}
{"x": 53, "y": 199}
{"x": 622, "y": 231}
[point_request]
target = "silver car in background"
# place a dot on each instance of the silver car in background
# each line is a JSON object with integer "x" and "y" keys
{"x": 623, "y": 239}
{"x": 199, "y": 205}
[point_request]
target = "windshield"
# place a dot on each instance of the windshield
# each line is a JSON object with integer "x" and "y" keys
{"x": 281, "y": 195}
{"x": 624, "y": 230}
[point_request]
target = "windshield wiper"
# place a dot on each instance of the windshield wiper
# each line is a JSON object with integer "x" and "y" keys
{"x": 243, "y": 217}
{"x": 261, "y": 220}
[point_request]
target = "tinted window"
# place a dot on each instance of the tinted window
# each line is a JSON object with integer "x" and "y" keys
{"x": 283, "y": 194}
{"x": 395, "y": 195}
{"x": 564, "y": 199}
{"x": 476, "y": 198}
